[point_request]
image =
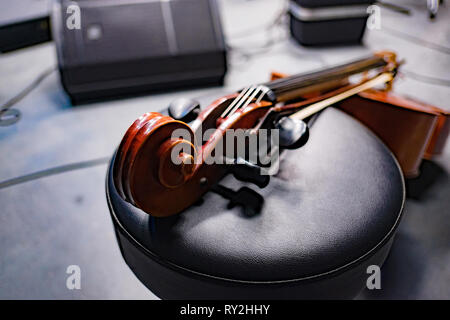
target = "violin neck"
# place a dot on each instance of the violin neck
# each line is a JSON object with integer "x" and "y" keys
{"x": 297, "y": 86}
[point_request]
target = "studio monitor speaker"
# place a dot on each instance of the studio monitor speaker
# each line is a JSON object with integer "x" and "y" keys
{"x": 111, "y": 48}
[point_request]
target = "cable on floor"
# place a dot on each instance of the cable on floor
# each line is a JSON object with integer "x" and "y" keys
{"x": 53, "y": 171}
{"x": 8, "y": 115}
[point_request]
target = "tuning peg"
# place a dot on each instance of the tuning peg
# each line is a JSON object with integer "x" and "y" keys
{"x": 293, "y": 133}
{"x": 249, "y": 200}
{"x": 184, "y": 109}
{"x": 246, "y": 171}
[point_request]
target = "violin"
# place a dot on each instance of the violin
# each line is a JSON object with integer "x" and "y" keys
{"x": 411, "y": 129}
{"x": 164, "y": 165}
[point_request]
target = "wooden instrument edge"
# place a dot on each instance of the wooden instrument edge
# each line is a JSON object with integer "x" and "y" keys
{"x": 435, "y": 139}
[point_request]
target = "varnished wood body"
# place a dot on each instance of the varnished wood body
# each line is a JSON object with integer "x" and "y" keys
{"x": 412, "y": 130}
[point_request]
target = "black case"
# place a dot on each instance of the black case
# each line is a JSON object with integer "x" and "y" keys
{"x": 135, "y": 47}
{"x": 23, "y": 23}
{"x": 328, "y": 22}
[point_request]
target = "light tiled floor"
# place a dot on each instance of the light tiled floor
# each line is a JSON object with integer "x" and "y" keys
{"x": 49, "y": 223}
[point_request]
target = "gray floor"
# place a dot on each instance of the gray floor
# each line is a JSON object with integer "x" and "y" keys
{"x": 49, "y": 223}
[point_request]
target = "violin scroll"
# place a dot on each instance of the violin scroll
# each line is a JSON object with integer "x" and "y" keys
{"x": 174, "y": 172}
{"x": 145, "y": 167}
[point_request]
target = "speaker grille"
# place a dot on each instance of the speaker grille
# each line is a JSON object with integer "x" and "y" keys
{"x": 193, "y": 25}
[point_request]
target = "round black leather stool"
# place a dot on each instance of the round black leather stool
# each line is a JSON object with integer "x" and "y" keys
{"x": 330, "y": 212}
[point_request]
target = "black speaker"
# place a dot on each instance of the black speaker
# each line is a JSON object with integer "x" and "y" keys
{"x": 137, "y": 46}
{"x": 23, "y": 23}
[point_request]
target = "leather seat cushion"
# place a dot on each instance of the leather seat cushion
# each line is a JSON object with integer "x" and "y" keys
{"x": 332, "y": 203}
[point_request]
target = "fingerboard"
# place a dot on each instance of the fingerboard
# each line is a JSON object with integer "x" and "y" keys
{"x": 294, "y": 86}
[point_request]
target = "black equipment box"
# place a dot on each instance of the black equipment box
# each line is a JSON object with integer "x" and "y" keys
{"x": 328, "y": 22}
{"x": 23, "y": 23}
{"x": 134, "y": 47}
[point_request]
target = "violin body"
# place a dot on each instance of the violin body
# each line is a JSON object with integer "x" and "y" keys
{"x": 412, "y": 130}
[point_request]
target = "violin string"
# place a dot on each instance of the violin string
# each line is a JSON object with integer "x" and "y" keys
{"x": 250, "y": 99}
{"x": 238, "y": 103}
{"x": 263, "y": 93}
{"x": 245, "y": 98}
{"x": 234, "y": 102}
